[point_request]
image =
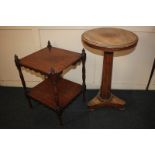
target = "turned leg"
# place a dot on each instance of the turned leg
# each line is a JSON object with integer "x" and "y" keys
{"x": 17, "y": 62}
{"x": 84, "y": 74}
{"x": 54, "y": 77}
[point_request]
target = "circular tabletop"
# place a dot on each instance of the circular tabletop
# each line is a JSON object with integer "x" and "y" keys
{"x": 110, "y": 39}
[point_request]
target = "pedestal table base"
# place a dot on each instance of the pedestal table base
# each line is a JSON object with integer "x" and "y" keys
{"x": 113, "y": 101}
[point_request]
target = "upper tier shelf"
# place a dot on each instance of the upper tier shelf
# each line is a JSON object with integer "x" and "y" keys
{"x": 50, "y": 58}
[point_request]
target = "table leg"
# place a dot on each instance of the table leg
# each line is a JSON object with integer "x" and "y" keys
{"x": 104, "y": 97}
{"x": 17, "y": 62}
{"x": 84, "y": 75}
{"x": 152, "y": 71}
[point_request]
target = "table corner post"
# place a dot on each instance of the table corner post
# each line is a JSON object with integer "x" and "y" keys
{"x": 83, "y": 55}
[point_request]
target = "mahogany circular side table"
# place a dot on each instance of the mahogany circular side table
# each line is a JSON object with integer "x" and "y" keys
{"x": 108, "y": 41}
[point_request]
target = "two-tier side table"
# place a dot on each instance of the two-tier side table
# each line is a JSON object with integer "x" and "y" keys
{"x": 54, "y": 91}
{"x": 108, "y": 41}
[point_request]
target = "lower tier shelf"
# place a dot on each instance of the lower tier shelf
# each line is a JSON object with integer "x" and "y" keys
{"x": 44, "y": 92}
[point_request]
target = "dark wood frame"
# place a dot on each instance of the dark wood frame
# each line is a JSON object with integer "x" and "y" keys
{"x": 54, "y": 79}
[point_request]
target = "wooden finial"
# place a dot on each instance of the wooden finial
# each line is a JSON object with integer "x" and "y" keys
{"x": 49, "y": 44}
{"x": 83, "y": 54}
{"x": 83, "y": 50}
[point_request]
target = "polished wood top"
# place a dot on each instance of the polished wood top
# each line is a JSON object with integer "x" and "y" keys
{"x": 50, "y": 58}
{"x": 110, "y": 39}
{"x": 44, "y": 92}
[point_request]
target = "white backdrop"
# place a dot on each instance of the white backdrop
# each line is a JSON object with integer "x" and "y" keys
{"x": 129, "y": 71}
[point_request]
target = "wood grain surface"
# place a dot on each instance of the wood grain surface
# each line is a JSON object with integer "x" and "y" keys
{"x": 110, "y": 39}
{"x": 47, "y": 58}
{"x": 44, "y": 93}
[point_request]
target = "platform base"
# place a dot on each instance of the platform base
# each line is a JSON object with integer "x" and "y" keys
{"x": 113, "y": 101}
